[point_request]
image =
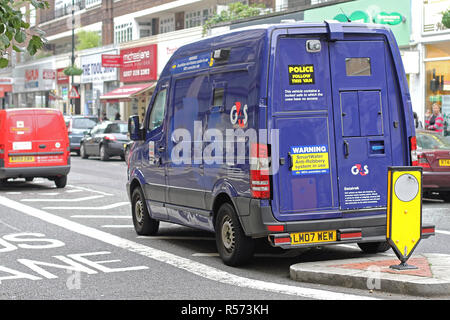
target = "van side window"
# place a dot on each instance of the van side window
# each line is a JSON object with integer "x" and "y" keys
{"x": 157, "y": 113}
{"x": 218, "y": 96}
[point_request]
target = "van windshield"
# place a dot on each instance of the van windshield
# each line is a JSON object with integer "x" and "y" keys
{"x": 84, "y": 123}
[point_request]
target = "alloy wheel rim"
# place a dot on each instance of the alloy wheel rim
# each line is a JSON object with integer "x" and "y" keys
{"x": 228, "y": 234}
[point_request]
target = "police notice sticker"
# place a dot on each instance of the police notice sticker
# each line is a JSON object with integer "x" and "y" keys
{"x": 301, "y": 74}
{"x": 309, "y": 160}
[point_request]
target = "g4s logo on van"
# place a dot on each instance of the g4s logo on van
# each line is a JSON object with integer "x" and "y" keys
{"x": 239, "y": 115}
{"x": 359, "y": 169}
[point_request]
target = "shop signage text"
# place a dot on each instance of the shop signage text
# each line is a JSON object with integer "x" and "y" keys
{"x": 139, "y": 64}
{"x": 93, "y": 70}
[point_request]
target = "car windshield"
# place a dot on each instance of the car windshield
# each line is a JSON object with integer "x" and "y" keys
{"x": 431, "y": 141}
{"x": 84, "y": 123}
{"x": 117, "y": 128}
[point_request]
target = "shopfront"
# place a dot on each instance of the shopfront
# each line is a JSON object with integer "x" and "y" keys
{"x": 34, "y": 85}
{"x": 5, "y": 92}
{"x": 95, "y": 81}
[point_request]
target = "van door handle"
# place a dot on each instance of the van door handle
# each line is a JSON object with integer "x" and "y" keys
{"x": 42, "y": 146}
{"x": 346, "y": 149}
{"x": 161, "y": 148}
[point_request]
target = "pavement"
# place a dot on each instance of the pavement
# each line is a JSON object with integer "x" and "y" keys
{"x": 430, "y": 279}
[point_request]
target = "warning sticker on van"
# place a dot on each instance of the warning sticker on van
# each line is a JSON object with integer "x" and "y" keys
{"x": 309, "y": 160}
{"x": 301, "y": 74}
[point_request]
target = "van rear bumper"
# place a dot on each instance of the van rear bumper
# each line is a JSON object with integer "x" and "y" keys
{"x": 26, "y": 172}
{"x": 255, "y": 219}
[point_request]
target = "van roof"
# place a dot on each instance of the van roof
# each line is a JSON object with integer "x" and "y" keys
{"x": 30, "y": 109}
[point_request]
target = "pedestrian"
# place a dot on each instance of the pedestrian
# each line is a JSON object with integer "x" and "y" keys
{"x": 104, "y": 117}
{"x": 417, "y": 122}
{"x": 117, "y": 117}
{"x": 435, "y": 122}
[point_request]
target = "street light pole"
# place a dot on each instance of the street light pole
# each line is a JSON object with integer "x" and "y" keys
{"x": 73, "y": 54}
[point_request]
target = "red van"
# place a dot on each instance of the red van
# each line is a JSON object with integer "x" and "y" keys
{"x": 34, "y": 143}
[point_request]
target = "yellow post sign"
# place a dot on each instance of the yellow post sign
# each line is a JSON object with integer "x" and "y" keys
{"x": 404, "y": 212}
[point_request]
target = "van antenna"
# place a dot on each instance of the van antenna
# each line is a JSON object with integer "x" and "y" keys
{"x": 346, "y": 16}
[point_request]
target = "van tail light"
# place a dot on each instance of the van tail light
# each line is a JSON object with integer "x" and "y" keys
{"x": 259, "y": 171}
{"x": 413, "y": 150}
{"x": 422, "y": 161}
{"x": 110, "y": 137}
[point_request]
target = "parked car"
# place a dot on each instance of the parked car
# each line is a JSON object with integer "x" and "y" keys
{"x": 34, "y": 143}
{"x": 77, "y": 127}
{"x": 433, "y": 153}
{"x": 106, "y": 139}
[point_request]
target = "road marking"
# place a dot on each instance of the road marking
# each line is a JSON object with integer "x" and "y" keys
{"x": 442, "y": 232}
{"x": 90, "y": 190}
{"x": 48, "y": 193}
{"x": 74, "y": 190}
{"x": 188, "y": 265}
{"x": 107, "y": 207}
{"x": 174, "y": 238}
{"x": 62, "y": 200}
{"x": 13, "y": 192}
{"x": 118, "y": 226}
{"x": 9, "y": 226}
{"x": 100, "y": 217}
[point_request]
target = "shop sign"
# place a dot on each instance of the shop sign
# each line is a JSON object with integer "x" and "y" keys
{"x": 31, "y": 78}
{"x": 61, "y": 78}
{"x": 93, "y": 70}
{"x": 139, "y": 64}
{"x": 48, "y": 74}
{"x": 392, "y": 18}
{"x": 6, "y": 80}
{"x": 111, "y": 60}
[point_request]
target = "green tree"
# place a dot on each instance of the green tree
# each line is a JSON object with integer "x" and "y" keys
{"x": 87, "y": 40}
{"x": 235, "y": 11}
{"x": 15, "y": 31}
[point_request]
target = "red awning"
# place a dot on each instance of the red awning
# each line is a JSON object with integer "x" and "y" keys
{"x": 127, "y": 92}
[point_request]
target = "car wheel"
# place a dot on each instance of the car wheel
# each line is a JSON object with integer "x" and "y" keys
{"x": 234, "y": 247}
{"x": 103, "y": 154}
{"x": 143, "y": 223}
{"x": 374, "y": 247}
{"x": 83, "y": 153}
{"x": 61, "y": 181}
{"x": 446, "y": 196}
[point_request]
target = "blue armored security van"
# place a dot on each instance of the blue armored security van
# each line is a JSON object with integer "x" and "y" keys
{"x": 283, "y": 132}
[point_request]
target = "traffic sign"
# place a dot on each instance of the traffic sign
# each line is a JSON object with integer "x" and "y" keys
{"x": 404, "y": 212}
{"x": 73, "y": 93}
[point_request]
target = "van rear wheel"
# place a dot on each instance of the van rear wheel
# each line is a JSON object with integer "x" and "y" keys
{"x": 143, "y": 223}
{"x": 61, "y": 181}
{"x": 374, "y": 247}
{"x": 234, "y": 247}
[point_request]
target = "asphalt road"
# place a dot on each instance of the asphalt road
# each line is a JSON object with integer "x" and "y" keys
{"x": 79, "y": 243}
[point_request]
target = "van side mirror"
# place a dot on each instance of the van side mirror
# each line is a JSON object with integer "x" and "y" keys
{"x": 134, "y": 130}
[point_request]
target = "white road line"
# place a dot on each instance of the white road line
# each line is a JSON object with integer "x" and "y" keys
{"x": 9, "y": 226}
{"x": 188, "y": 265}
{"x": 107, "y": 207}
{"x": 103, "y": 216}
{"x": 62, "y": 200}
{"x": 174, "y": 238}
{"x": 442, "y": 232}
{"x": 13, "y": 192}
{"x": 90, "y": 190}
{"x": 74, "y": 190}
{"x": 117, "y": 226}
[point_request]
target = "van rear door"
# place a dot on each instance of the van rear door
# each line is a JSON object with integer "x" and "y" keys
{"x": 329, "y": 104}
{"x": 50, "y": 139}
{"x": 361, "y": 116}
{"x": 20, "y": 134}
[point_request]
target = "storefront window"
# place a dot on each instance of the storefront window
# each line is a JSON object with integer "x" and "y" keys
{"x": 437, "y": 81}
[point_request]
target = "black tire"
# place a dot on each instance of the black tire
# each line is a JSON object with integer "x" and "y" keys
{"x": 445, "y": 196}
{"x": 143, "y": 223}
{"x": 61, "y": 181}
{"x": 234, "y": 247}
{"x": 374, "y": 247}
{"x": 83, "y": 153}
{"x": 103, "y": 154}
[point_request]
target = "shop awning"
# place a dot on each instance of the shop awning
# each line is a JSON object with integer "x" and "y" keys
{"x": 127, "y": 92}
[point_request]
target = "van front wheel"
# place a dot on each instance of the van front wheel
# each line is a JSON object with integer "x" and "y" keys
{"x": 143, "y": 223}
{"x": 234, "y": 247}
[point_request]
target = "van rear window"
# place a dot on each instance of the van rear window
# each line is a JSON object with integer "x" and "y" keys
{"x": 358, "y": 67}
